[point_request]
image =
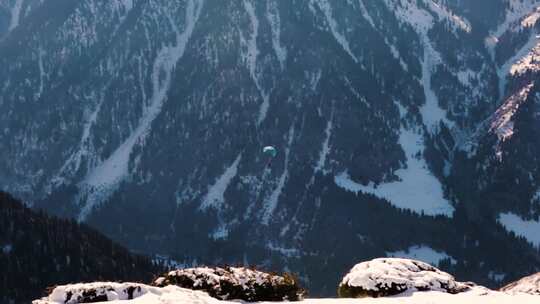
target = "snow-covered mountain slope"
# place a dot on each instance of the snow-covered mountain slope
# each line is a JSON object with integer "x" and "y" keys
{"x": 173, "y": 294}
{"x": 529, "y": 285}
{"x": 13, "y": 13}
{"x": 146, "y": 119}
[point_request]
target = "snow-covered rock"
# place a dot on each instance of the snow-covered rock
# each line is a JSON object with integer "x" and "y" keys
{"x": 175, "y": 295}
{"x": 392, "y": 276}
{"x": 237, "y": 283}
{"x": 94, "y": 292}
{"x": 146, "y": 294}
{"x": 529, "y": 285}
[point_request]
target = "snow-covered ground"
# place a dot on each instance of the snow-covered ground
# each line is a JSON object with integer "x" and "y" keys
{"x": 417, "y": 188}
{"x": 530, "y": 230}
{"x": 176, "y": 295}
{"x": 422, "y": 253}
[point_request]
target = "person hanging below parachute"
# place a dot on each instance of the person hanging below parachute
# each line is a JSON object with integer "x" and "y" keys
{"x": 270, "y": 152}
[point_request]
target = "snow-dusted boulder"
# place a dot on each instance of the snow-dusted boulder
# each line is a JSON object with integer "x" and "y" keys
{"x": 529, "y": 285}
{"x": 94, "y": 292}
{"x": 149, "y": 294}
{"x": 392, "y": 276}
{"x": 237, "y": 283}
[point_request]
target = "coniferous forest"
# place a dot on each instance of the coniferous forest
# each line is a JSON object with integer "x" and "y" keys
{"x": 38, "y": 251}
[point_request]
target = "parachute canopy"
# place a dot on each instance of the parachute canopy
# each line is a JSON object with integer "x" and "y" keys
{"x": 270, "y": 151}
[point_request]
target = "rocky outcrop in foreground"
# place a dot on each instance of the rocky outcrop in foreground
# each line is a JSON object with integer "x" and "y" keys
{"x": 95, "y": 292}
{"x": 376, "y": 278}
{"x": 392, "y": 276}
{"x": 236, "y": 283}
{"x": 228, "y": 283}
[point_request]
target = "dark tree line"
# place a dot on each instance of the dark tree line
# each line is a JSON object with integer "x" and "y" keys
{"x": 38, "y": 251}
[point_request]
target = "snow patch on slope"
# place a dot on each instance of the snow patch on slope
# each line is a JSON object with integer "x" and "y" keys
{"x": 325, "y": 147}
{"x": 15, "y": 15}
{"x": 422, "y": 21}
{"x": 444, "y": 13}
{"x": 272, "y": 14}
{"x": 42, "y": 73}
{"x": 417, "y": 189}
{"x": 103, "y": 180}
{"x": 518, "y": 64}
{"x": 393, "y": 49}
{"x": 326, "y": 8}
{"x": 517, "y": 9}
{"x": 530, "y": 230}
{"x": 531, "y": 19}
{"x": 422, "y": 253}
{"x": 529, "y": 62}
{"x": 215, "y": 196}
{"x": 286, "y": 252}
{"x": 527, "y": 11}
{"x": 365, "y": 13}
{"x": 251, "y": 59}
{"x": 502, "y": 123}
{"x": 527, "y": 285}
{"x": 73, "y": 163}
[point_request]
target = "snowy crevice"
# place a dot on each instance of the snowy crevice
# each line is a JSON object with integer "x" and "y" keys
{"x": 251, "y": 59}
{"x": 326, "y": 9}
{"x": 417, "y": 188}
{"x": 105, "y": 178}
{"x": 271, "y": 202}
{"x": 272, "y": 14}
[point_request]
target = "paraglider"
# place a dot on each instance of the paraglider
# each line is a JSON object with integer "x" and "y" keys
{"x": 270, "y": 153}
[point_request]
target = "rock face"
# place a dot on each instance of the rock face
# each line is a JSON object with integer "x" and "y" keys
{"x": 147, "y": 118}
{"x": 529, "y": 285}
{"x": 235, "y": 283}
{"x": 392, "y": 276}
